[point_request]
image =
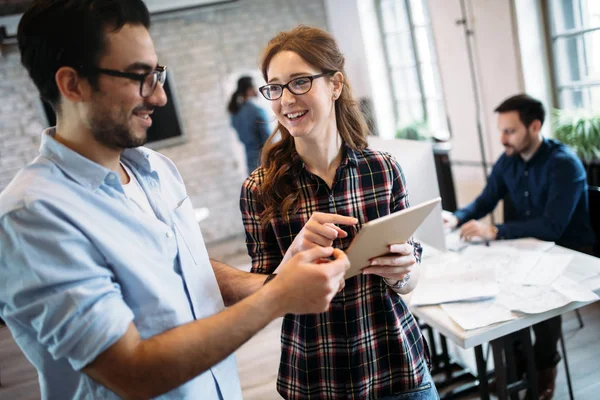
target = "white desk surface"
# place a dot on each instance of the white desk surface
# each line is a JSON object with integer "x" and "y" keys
{"x": 583, "y": 268}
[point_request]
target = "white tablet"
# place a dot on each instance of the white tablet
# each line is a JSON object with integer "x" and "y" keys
{"x": 374, "y": 238}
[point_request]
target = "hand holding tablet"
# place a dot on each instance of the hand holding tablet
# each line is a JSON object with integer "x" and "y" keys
{"x": 375, "y": 237}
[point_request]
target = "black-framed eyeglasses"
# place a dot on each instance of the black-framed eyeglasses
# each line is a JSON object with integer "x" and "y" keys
{"x": 297, "y": 86}
{"x": 147, "y": 81}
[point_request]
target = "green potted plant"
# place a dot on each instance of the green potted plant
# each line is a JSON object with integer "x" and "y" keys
{"x": 580, "y": 129}
{"x": 414, "y": 131}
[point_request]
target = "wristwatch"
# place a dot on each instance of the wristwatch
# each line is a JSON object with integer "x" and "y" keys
{"x": 495, "y": 230}
{"x": 399, "y": 284}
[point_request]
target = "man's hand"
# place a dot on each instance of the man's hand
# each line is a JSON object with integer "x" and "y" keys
{"x": 474, "y": 229}
{"x": 320, "y": 230}
{"x": 307, "y": 284}
{"x": 450, "y": 221}
{"x": 395, "y": 265}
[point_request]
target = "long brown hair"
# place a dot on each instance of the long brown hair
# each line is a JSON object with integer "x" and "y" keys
{"x": 318, "y": 48}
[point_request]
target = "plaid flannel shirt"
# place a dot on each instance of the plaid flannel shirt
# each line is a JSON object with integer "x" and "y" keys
{"x": 368, "y": 344}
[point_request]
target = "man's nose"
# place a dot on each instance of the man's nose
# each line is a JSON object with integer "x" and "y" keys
{"x": 159, "y": 96}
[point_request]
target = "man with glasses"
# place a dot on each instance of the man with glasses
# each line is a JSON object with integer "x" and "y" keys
{"x": 105, "y": 281}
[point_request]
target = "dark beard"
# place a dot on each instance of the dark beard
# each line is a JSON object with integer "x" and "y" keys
{"x": 115, "y": 136}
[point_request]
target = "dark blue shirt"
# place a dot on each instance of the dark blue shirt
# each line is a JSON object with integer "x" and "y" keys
{"x": 549, "y": 194}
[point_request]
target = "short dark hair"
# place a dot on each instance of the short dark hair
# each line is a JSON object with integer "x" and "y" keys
{"x": 529, "y": 108}
{"x": 57, "y": 33}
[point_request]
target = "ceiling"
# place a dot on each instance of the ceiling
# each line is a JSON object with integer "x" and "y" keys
{"x": 9, "y": 7}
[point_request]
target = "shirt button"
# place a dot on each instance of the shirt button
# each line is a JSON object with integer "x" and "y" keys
{"x": 528, "y": 213}
{"x": 111, "y": 177}
{"x": 526, "y": 173}
{"x": 526, "y": 194}
{"x": 169, "y": 234}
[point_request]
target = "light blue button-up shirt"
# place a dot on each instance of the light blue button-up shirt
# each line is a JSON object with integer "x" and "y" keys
{"x": 79, "y": 262}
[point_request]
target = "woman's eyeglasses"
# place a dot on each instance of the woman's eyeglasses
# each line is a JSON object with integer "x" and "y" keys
{"x": 297, "y": 86}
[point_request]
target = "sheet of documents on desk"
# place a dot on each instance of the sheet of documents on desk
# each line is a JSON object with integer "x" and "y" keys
{"x": 529, "y": 244}
{"x": 539, "y": 299}
{"x": 477, "y": 314}
{"x": 505, "y": 262}
{"x": 541, "y": 273}
{"x": 474, "y": 286}
{"x": 454, "y": 242}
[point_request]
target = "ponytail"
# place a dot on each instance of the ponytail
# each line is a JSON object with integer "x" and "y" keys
{"x": 243, "y": 84}
{"x": 234, "y": 103}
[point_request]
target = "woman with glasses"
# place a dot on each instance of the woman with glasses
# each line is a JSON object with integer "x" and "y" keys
{"x": 249, "y": 120}
{"x": 316, "y": 187}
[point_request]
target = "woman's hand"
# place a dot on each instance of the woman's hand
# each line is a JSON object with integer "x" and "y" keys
{"x": 320, "y": 230}
{"x": 395, "y": 265}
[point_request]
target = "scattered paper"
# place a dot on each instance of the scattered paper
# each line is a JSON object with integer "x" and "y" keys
{"x": 477, "y": 314}
{"x": 476, "y": 285}
{"x": 529, "y": 244}
{"x": 542, "y": 272}
{"x": 454, "y": 242}
{"x": 573, "y": 290}
{"x": 539, "y": 299}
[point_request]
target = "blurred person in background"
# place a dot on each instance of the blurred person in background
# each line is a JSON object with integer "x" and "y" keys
{"x": 249, "y": 120}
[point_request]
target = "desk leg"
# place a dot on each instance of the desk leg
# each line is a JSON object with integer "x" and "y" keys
{"x": 482, "y": 376}
{"x": 500, "y": 369}
{"x": 531, "y": 369}
{"x": 446, "y": 358}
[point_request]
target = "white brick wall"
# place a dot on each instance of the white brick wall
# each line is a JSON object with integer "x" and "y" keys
{"x": 202, "y": 48}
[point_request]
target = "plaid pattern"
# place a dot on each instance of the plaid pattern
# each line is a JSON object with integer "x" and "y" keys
{"x": 368, "y": 345}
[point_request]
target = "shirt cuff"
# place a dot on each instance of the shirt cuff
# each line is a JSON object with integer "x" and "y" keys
{"x": 502, "y": 232}
{"x": 100, "y": 328}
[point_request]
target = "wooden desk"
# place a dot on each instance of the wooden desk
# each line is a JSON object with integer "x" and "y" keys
{"x": 583, "y": 268}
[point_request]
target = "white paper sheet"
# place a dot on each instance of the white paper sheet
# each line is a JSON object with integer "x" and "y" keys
{"x": 520, "y": 267}
{"x": 505, "y": 262}
{"x": 473, "y": 286}
{"x": 529, "y": 244}
{"x": 454, "y": 242}
{"x": 544, "y": 272}
{"x": 539, "y": 299}
{"x": 573, "y": 291}
{"x": 477, "y": 314}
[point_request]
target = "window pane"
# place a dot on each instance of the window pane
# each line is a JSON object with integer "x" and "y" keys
{"x": 419, "y": 12}
{"x": 587, "y": 98}
{"x": 436, "y": 115}
{"x": 575, "y": 14}
{"x": 578, "y": 57}
{"x": 565, "y": 15}
{"x": 394, "y": 17}
{"x": 592, "y": 16}
{"x": 406, "y": 76}
{"x": 431, "y": 84}
{"x": 399, "y": 49}
{"x": 409, "y": 112}
{"x": 410, "y": 87}
{"x": 405, "y": 85}
{"x": 404, "y": 117}
{"x": 424, "y": 44}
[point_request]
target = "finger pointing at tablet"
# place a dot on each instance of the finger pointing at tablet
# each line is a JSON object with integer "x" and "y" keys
{"x": 320, "y": 230}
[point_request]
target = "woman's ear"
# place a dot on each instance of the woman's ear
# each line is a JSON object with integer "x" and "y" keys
{"x": 338, "y": 84}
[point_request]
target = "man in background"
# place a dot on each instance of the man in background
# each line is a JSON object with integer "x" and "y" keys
{"x": 546, "y": 184}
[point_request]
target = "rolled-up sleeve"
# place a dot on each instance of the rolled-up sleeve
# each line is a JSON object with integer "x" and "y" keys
{"x": 56, "y": 284}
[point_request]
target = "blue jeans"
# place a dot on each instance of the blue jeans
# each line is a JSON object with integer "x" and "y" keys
{"x": 426, "y": 391}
